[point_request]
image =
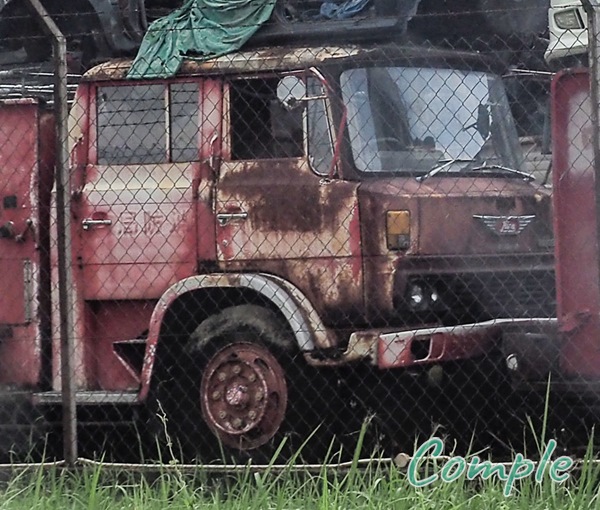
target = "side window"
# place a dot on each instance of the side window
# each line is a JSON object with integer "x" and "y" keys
{"x": 261, "y": 128}
{"x": 185, "y": 114}
{"x": 320, "y": 145}
{"x": 131, "y": 124}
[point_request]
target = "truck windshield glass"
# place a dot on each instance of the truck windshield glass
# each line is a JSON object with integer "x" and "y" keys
{"x": 410, "y": 119}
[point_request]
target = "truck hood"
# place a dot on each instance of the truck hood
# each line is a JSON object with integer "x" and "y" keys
{"x": 462, "y": 215}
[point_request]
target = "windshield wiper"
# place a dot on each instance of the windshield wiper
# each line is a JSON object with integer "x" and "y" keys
{"x": 524, "y": 175}
{"x": 442, "y": 167}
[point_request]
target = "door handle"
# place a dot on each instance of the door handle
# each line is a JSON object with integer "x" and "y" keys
{"x": 89, "y": 223}
{"x": 225, "y": 218}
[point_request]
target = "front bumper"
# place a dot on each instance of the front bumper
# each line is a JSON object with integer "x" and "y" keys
{"x": 531, "y": 341}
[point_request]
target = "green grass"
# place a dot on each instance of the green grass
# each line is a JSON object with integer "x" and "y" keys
{"x": 379, "y": 487}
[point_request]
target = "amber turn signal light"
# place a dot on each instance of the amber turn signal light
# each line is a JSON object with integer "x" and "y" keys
{"x": 398, "y": 230}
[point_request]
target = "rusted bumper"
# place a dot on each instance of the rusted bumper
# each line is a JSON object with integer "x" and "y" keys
{"x": 426, "y": 346}
{"x": 436, "y": 345}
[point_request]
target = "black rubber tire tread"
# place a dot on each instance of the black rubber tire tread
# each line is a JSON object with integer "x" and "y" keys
{"x": 256, "y": 319}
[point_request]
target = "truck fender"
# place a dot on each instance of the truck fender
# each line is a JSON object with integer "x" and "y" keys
{"x": 298, "y": 311}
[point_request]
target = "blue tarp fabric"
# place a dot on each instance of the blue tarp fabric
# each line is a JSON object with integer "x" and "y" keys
{"x": 204, "y": 28}
{"x": 331, "y": 10}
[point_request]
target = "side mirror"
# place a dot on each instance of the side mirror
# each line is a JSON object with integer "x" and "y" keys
{"x": 484, "y": 121}
{"x": 291, "y": 91}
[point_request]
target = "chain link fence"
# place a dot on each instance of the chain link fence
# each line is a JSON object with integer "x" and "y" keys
{"x": 298, "y": 250}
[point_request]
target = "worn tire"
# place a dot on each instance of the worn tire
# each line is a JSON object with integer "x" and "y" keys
{"x": 253, "y": 341}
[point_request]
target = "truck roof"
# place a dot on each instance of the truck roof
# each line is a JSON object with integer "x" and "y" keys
{"x": 286, "y": 58}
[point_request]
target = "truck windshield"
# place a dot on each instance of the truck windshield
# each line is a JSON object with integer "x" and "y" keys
{"x": 412, "y": 119}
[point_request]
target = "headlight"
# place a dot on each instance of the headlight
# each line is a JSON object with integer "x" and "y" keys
{"x": 422, "y": 296}
{"x": 568, "y": 19}
{"x": 398, "y": 230}
{"x": 417, "y": 297}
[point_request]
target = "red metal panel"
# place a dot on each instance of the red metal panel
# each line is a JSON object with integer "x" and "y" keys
{"x": 296, "y": 225}
{"x": 18, "y": 166}
{"x": 578, "y": 290}
{"x": 110, "y": 322}
{"x": 25, "y": 183}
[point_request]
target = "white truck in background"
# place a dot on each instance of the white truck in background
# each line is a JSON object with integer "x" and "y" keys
{"x": 567, "y": 21}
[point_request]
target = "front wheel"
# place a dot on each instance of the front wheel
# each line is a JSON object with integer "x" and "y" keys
{"x": 241, "y": 390}
{"x": 243, "y": 395}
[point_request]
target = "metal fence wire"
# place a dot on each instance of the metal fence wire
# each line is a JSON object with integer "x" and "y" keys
{"x": 305, "y": 247}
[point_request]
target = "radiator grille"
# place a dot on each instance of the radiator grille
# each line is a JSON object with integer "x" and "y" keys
{"x": 501, "y": 295}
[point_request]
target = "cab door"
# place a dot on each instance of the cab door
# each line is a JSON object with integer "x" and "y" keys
{"x": 277, "y": 210}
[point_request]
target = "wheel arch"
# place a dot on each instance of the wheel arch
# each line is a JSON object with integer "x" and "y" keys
{"x": 186, "y": 303}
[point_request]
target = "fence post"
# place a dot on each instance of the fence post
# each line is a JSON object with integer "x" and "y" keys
{"x": 63, "y": 219}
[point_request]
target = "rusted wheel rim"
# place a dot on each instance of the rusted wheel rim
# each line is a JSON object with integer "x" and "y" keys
{"x": 243, "y": 395}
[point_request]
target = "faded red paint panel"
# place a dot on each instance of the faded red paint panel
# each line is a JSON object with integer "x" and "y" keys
{"x": 20, "y": 356}
{"x": 207, "y": 242}
{"x": 109, "y": 322}
{"x": 466, "y": 235}
{"x": 443, "y": 230}
{"x": 446, "y": 206}
{"x": 224, "y": 245}
{"x": 287, "y": 196}
{"x": 575, "y": 225}
{"x": 18, "y": 203}
{"x": 151, "y": 241}
{"x": 380, "y": 264}
{"x": 25, "y": 177}
{"x": 298, "y": 226}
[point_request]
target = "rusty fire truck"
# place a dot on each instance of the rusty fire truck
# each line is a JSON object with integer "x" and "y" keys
{"x": 246, "y": 228}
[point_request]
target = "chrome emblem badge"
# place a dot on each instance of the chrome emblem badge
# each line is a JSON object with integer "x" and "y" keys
{"x": 505, "y": 225}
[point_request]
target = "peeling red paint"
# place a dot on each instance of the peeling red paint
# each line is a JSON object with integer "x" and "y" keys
{"x": 299, "y": 226}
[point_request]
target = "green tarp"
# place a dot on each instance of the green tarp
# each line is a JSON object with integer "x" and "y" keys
{"x": 201, "y": 28}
